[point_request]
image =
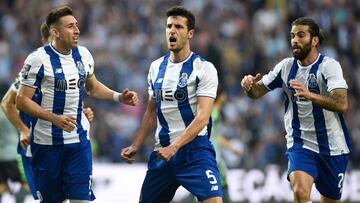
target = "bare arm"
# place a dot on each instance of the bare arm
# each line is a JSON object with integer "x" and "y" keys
{"x": 27, "y": 105}
{"x": 204, "y": 106}
{"x": 148, "y": 123}
{"x": 336, "y": 101}
{"x": 98, "y": 90}
{"x": 8, "y": 105}
{"x": 253, "y": 87}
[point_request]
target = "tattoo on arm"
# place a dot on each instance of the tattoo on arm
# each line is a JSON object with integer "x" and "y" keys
{"x": 336, "y": 101}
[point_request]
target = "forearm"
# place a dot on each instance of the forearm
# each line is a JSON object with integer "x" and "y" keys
{"x": 100, "y": 91}
{"x": 257, "y": 90}
{"x": 191, "y": 131}
{"x": 147, "y": 124}
{"x": 334, "y": 102}
{"x": 13, "y": 116}
{"x": 31, "y": 108}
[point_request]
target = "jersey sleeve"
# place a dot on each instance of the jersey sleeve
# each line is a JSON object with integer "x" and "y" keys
{"x": 273, "y": 79}
{"x": 88, "y": 61}
{"x": 208, "y": 81}
{"x": 150, "y": 85}
{"x": 16, "y": 84}
{"x": 333, "y": 75}
{"x": 31, "y": 71}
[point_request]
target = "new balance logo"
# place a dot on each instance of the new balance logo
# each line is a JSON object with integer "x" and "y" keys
{"x": 214, "y": 188}
{"x": 58, "y": 70}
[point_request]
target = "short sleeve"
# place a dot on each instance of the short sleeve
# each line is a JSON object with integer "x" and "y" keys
{"x": 273, "y": 79}
{"x": 333, "y": 74}
{"x": 88, "y": 61}
{"x": 16, "y": 84}
{"x": 31, "y": 70}
{"x": 150, "y": 86}
{"x": 208, "y": 81}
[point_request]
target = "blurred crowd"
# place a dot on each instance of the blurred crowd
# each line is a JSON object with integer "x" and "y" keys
{"x": 238, "y": 37}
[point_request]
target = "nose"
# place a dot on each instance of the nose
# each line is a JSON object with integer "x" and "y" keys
{"x": 77, "y": 30}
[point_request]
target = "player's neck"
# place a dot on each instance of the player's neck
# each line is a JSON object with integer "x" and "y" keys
{"x": 312, "y": 56}
{"x": 179, "y": 56}
{"x": 60, "y": 48}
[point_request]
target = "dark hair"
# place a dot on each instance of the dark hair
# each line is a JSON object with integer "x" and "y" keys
{"x": 314, "y": 28}
{"x": 44, "y": 31}
{"x": 181, "y": 11}
{"x": 56, "y": 13}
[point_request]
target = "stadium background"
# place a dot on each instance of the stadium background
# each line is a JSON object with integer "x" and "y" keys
{"x": 238, "y": 37}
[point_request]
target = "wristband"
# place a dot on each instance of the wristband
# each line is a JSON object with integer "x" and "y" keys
{"x": 116, "y": 96}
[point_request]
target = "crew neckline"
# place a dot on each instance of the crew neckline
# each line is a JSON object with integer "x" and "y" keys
{"x": 302, "y": 66}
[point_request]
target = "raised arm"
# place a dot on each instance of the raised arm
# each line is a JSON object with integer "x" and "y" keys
{"x": 253, "y": 87}
{"x": 148, "y": 123}
{"x": 204, "y": 106}
{"x": 98, "y": 90}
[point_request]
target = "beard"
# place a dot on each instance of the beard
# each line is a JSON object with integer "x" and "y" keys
{"x": 303, "y": 53}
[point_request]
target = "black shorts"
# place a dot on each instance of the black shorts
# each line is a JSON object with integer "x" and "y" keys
{"x": 9, "y": 170}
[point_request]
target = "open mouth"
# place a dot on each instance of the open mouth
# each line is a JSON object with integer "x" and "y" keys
{"x": 172, "y": 39}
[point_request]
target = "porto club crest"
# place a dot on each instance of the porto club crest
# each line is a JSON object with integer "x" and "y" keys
{"x": 80, "y": 67}
{"x": 183, "y": 80}
{"x": 312, "y": 83}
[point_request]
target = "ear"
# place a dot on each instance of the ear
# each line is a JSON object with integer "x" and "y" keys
{"x": 190, "y": 33}
{"x": 315, "y": 41}
{"x": 54, "y": 32}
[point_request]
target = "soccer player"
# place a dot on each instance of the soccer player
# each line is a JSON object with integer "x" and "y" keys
{"x": 182, "y": 89}
{"x": 21, "y": 121}
{"x": 318, "y": 142}
{"x": 59, "y": 73}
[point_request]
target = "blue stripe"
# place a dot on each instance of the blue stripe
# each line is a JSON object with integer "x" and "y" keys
{"x": 37, "y": 97}
{"x": 277, "y": 82}
{"x": 209, "y": 127}
{"x": 345, "y": 130}
{"x": 157, "y": 85}
{"x": 318, "y": 113}
{"x": 82, "y": 77}
{"x": 295, "y": 123}
{"x": 182, "y": 91}
{"x": 59, "y": 94}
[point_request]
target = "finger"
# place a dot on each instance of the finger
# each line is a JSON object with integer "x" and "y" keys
{"x": 257, "y": 77}
{"x": 125, "y": 91}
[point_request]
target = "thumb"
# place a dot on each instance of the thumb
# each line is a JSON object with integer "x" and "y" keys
{"x": 257, "y": 77}
{"x": 126, "y": 90}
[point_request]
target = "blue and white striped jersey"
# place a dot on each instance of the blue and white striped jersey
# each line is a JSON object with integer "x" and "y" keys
{"x": 175, "y": 87}
{"x": 60, "y": 82}
{"x": 307, "y": 125}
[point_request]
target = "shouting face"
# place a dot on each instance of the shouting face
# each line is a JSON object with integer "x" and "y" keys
{"x": 177, "y": 33}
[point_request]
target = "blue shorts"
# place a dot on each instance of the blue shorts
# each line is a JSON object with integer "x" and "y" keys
{"x": 193, "y": 166}
{"x": 63, "y": 172}
{"x": 328, "y": 171}
{"x": 29, "y": 174}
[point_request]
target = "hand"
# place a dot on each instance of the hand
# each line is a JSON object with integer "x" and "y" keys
{"x": 300, "y": 89}
{"x": 248, "y": 81}
{"x": 129, "y": 97}
{"x": 128, "y": 153}
{"x": 167, "y": 152}
{"x": 24, "y": 138}
{"x": 65, "y": 122}
{"x": 89, "y": 113}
